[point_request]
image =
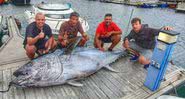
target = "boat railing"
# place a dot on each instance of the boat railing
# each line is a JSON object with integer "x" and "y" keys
{"x": 10, "y": 35}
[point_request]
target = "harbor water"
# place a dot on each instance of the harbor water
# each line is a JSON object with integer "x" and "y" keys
{"x": 94, "y": 11}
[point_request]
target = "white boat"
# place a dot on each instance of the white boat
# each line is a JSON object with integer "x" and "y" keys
{"x": 180, "y": 7}
{"x": 55, "y": 14}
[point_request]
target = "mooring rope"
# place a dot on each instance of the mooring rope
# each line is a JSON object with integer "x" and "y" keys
{"x": 9, "y": 86}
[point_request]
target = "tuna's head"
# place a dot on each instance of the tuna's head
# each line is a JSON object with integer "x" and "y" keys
{"x": 26, "y": 69}
{"x": 23, "y": 74}
{"x": 39, "y": 72}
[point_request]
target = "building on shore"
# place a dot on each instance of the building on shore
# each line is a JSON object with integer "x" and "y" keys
{"x": 131, "y": 1}
{"x": 142, "y": 1}
{"x": 180, "y": 7}
{"x": 173, "y": 0}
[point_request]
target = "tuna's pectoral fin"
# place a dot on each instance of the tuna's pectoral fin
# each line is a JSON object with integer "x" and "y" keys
{"x": 111, "y": 69}
{"x": 74, "y": 83}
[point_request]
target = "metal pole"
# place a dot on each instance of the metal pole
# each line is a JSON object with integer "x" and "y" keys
{"x": 129, "y": 22}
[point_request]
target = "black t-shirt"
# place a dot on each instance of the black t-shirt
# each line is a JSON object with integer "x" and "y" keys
{"x": 32, "y": 31}
{"x": 145, "y": 38}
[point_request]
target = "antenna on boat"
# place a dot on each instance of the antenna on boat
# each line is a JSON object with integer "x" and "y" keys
{"x": 129, "y": 22}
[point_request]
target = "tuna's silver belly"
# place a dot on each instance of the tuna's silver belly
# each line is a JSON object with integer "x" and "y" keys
{"x": 79, "y": 66}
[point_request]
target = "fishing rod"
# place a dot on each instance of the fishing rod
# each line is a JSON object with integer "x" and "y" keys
{"x": 129, "y": 22}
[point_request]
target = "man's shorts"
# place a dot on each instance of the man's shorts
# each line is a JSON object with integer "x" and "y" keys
{"x": 40, "y": 45}
{"x": 147, "y": 53}
{"x": 106, "y": 39}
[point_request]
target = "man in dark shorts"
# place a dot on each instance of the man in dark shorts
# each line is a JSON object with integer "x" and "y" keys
{"x": 39, "y": 38}
{"x": 142, "y": 39}
{"x": 69, "y": 31}
{"x": 107, "y": 32}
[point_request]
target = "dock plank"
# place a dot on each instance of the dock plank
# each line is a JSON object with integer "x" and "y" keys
{"x": 1, "y": 83}
{"x": 102, "y": 86}
{"x": 90, "y": 93}
{"x": 50, "y": 94}
{"x": 69, "y": 91}
{"x": 127, "y": 76}
{"x": 119, "y": 88}
{"x": 98, "y": 91}
{"x": 7, "y": 80}
{"x": 121, "y": 77}
{"x": 109, "y": 85}
{"x": 115, "y": 79}
{"x": 40, "y": 94}
{"x": 18, "y": 92}
{"x": 126, "y": 87}
{"x": 29, "y": 93}
{"x": 80, "y": 93}
{"x": 58, "y": 90}
{"x": 141, "y": 94}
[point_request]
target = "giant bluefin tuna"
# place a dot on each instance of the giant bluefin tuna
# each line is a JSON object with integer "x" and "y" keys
{"x": 56, "y": 68}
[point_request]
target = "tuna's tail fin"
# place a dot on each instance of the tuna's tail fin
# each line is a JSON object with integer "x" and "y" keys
{"x": 9, "y": 86}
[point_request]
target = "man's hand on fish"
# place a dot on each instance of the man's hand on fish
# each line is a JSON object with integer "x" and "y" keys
{"x": 47, "y": 50}
{"x": 85, "y": 37}
{"x": 64, "y": 42}
{"x": 126, "y": 43}
{"x": 102, "y": 49}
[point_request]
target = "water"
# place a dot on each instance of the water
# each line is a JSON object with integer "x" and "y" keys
{"x": 94, "y": 12}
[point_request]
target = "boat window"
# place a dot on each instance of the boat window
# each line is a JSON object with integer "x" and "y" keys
{"x": 58, "y": 16}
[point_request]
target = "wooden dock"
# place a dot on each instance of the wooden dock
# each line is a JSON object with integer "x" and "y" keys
{"x": 115, "y": 1}
{"x": 128, "y": 84}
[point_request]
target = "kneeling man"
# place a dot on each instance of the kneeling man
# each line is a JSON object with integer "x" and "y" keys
{"x": 107, "y": 32}
{"x": 38, "y": 38}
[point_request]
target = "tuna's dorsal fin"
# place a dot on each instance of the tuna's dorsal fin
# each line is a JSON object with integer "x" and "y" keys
{"x": 110, "y": 68}
{"x": 74, "y": 83}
